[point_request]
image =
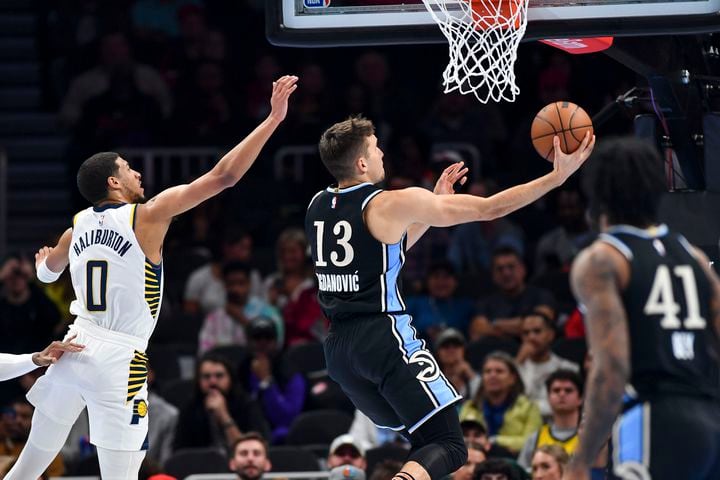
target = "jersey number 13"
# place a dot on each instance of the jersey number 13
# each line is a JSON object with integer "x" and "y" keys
{"x": 343, "y": 231}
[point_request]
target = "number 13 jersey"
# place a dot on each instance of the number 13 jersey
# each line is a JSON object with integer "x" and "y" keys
{"x": 116, "y": 286}
{"x": 673, "y": 345}
{"x": 357, "y": 275}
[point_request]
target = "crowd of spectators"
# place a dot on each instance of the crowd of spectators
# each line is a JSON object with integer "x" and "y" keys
{"x": 240, "y": 317}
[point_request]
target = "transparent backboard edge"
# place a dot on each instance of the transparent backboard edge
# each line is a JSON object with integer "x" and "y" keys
{"x": 545, "y": 22}
{"x": 617, "y": 10}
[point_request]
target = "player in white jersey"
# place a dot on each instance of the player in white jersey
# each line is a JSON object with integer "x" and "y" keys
{"x": 114, "y": 251}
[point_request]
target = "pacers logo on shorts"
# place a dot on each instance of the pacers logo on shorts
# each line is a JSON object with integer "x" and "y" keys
{"x": 430, "y": 370}
{"x": 140, "y": 410}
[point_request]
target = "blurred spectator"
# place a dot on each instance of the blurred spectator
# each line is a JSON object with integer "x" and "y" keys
{"x": 536, "y": 360}
{"x": 565, "y": 390}
{"x": 267, "y": 69}
{"x": 476, "y": 455}
{"x": 219, "y": 411}
{"x": 206, "y": 107}
{"x": 27, "y": 316}
{"x": 474, "y": 431}
{"x": 162, "y": 423}
{"x": 159, "y": 17}
{"x": 500, "y": 313}
{"x": 228, "y": 325}
{"x": 346, "y": 450}
{"x": 118, "y": 75}
{"x": 205, "y": 290}
{"x": 450, "y": 354}
{"x": 500, "y": 404}
{"x": 472, "y": 244}
{"x": 346, "y": 472}
{"x": 386, "y": 470}
{"x": 313, "y": 104}
{"x": 249, "y": 457}
{"x": 370, "y": 435}
{"x": 559, "y": 246}
{"x": 496, "y": 469}
{"x": 280, "y": 391}
{"x": 548, "y": 463}
{"x": 440, "y": 308}
{"x": 16, "y": 421}
{"x": 292, "y": 289}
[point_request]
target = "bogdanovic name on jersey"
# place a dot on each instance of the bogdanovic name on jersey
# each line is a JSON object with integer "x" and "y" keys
{"x": 329, "y": 282}
{"x": 102, "y": 236}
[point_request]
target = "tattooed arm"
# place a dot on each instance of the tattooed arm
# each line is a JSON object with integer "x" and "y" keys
{"x": 598, "y": 275}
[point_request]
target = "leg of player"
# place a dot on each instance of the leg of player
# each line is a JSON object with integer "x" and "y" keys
{"x": 119, "y": 465}
{"x": 45, "y": 441}
{"x": 438, "y": 448}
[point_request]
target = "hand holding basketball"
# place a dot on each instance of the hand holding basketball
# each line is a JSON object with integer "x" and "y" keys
{"x": 565, "y": 165}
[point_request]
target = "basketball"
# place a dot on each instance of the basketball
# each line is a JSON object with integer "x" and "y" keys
{"x": 564, "y": 119}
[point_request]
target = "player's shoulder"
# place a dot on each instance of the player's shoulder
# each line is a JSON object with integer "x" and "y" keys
{"x": 602, "y": 259}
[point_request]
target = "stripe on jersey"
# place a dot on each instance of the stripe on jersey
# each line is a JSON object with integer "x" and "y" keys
{"x": 132, "y": 216}
{"x": 138, "y": 374}
{"x": 153, "y": 274}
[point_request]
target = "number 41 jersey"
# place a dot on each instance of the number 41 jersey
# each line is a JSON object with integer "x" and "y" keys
{"x": 674, "y": 348}
{"x": 357, "y": 275}
{"x": 116, "y": 286}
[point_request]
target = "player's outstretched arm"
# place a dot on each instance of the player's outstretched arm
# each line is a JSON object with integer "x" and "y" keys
{"x": 445, "y": 185}
{"x": 231, "y": 167}
{"x": 596, "y": 277}
{"x": 51, "y": 261}
{"x": 391, "y": 213}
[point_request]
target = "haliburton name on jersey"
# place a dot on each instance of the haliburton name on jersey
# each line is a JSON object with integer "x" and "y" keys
{"x": 104, "y": 236}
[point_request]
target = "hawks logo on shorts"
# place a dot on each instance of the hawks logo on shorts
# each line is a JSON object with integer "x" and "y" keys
{"x": 138, "y": 374}
{"x": 430, "y": 371}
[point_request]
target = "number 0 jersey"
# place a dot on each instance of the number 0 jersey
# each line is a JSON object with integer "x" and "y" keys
{"x": 116, "y": 286}
{"x": 674, "y": 348}
{"x": 356, "y": 273}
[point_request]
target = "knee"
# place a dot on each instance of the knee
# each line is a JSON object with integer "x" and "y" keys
{"x": 457, "y": 452}
{"x": 444, "y": 455}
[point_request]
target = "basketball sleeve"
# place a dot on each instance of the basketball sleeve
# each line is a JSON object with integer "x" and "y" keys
{"x": 12, "y": 366}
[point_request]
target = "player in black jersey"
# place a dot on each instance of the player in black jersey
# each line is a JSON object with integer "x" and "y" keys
{"x": 359, "y": 235}
{"x": 652, "y": 307}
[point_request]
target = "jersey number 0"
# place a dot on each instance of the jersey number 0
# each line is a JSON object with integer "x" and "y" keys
{"x": 96, "y": 285}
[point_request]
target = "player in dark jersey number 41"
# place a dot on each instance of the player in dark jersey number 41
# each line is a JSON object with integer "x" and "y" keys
{"x": 358, "y": 235}
{"x": 653, "y": 314}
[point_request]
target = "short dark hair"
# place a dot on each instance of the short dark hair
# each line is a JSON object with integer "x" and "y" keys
{"x": 235, "y": 267}
{"x": 93, "y": 174}
{"x": 341, "y": 144}
{"x": 547, "y": 319}
{"x": 495, "y": 465}
{"x": 246, "y": 437}
{"x": 566, "y": 375}
{"x": 624, "y": 179}
{"x": 507, "y": 250}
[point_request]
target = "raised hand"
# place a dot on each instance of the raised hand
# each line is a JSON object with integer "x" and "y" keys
{"x": 282, "y": 89}
{"x": 452, "y": 174}
{"x": 41, "y": 255}
{"x": 55, "y": 350}
{"x": 565, "y": 164}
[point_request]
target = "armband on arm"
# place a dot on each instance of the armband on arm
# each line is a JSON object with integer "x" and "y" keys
{"x": 45, "y": 275}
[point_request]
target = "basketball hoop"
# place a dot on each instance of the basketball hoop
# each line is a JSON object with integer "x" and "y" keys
{"x": 483, "y": 36}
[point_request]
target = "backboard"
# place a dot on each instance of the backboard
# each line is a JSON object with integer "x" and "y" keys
{"x": 316, "y": 23}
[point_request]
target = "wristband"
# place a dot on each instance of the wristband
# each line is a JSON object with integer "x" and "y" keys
{"x": 45, "y": 275}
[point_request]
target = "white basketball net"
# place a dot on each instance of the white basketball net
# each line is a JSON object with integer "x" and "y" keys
{"x": 483, "y": 47}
